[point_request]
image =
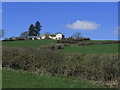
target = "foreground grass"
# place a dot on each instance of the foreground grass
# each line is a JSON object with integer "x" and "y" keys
{"x": 106, "y": 48}
{"x": 28, "y": 43}
{"x": 17, "y": 79}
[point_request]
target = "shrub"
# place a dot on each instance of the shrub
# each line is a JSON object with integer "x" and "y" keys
{"x": 72, "y": 40}
{"x": 8, "y": 39}
{"x": 53, "y": 46}
{"x": 66, "y": 44}
{"x": 67, "y": 41}
{"x": 20, "y": 38}
{"x": 85, "y": 38}
{"x": 87, "y": 43}
{"x": 30, "y": 59}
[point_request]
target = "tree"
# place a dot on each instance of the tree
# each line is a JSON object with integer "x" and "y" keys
{"x": 47, "y": 34}
{"x": 1, "y": 33}
{"x": 76, "y": 35}
{"x": 37, "y": 28}
{"x": 13, "y": 38}
{"x": 31, "y": 30}
{"x": 25, "y": 34}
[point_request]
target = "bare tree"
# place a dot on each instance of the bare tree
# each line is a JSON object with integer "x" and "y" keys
{"x": 1, "y": 33}
{"x": 47, "y": 34}
{"x": 24, "y": 34}
{"x": 76, "y": 35}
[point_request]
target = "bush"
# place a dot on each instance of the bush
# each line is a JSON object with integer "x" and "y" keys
{"x": 13, "y": 38}
{"x": 53, "y": 47}
{"x": 85, "y": 38}
{"x": 87, "y": 43}
{"x": 8, "y": 39}
{"x": 96, "y": 43}
{"x": 71, "y": 41}
{"x": 20, "y": 38}
{"x": 31, "y": 60}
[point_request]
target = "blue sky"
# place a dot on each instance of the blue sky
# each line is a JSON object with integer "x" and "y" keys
{"x": 99, "y": 20}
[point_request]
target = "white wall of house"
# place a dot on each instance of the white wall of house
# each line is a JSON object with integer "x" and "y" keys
{"x": 59, "y": 36}
{"x": 34, "y": 37}
{"x": 52, "y": 37}
{"x": 43, "y": 37}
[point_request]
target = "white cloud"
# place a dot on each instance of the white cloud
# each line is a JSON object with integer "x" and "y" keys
{"x": 83, "y": 25}
{"x": 117, "y": 31}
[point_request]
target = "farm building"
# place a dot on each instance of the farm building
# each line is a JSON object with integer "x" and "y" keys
{"x": 34, "y": 37}
{"x": 57, "y": 36}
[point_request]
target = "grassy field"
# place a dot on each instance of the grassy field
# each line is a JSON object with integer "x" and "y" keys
{"x": 28, "y": 43}
{"x": 107, "y": 48}
{"x": 18, "y": 79}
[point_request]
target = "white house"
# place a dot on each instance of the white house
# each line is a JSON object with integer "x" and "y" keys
{"x": 34, "y": 37}
{"x": 42, "y": 36}
{"x": 57, "y": 36}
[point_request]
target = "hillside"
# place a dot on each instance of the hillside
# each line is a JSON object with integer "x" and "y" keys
{"x": 88, "y": 61}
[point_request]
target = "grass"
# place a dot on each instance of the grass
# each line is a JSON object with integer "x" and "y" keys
{"x": 28, "y": 43}
{"x": 107, "y": 48}
{"x": 18, "y": 79}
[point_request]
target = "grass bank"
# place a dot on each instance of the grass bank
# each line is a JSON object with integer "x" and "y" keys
{"x": 18, "y": 79}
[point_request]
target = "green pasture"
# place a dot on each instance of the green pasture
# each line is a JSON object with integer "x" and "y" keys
{"x": 27, "y": 43}
{"x": 106, "y": 48}
{"x": 19, "y": 79}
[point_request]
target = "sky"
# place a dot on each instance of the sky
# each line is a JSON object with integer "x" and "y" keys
{"x": 97, "y": 20}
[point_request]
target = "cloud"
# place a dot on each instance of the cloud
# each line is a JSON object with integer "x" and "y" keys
{"x": 117, "y": 31}
{"x": 83, "y": 25}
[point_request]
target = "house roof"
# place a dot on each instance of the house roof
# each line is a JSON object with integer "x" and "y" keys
{"x": 53, "y": 35}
